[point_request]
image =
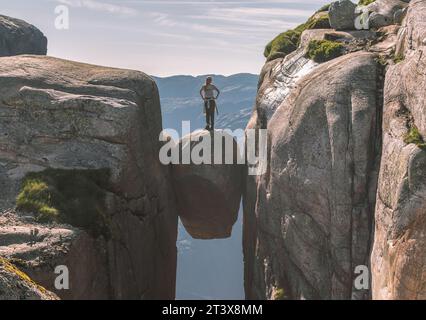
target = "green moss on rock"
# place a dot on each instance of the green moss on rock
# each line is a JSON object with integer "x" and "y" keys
{"x": 279, "y": 294}
{"x": 284, "y": 43}
{"x": 75, "y": 197}
{"x": 398, "y": 58}
{"x": 320, "y": 20}
{"x": 324, "y": 50}
{"x": 414, "y": 136}
{"x": 289, "y": 41}
{"x": 365, "y": 2}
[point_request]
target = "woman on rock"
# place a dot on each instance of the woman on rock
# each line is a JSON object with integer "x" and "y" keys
{"x": 207, "y": 92}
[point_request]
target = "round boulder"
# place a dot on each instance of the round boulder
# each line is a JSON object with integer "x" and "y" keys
{"x": 342, "y": 15}
{"x": 386, "y": 12}
{"x": 19, "y": 37}
{"x": 208, "y": 183}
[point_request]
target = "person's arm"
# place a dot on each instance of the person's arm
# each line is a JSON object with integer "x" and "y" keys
{"x": 201, "y": 92}
{"x": 218, "y": 92}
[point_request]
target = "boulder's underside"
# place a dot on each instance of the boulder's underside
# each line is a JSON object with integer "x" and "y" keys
{"x": 208, "y": 195}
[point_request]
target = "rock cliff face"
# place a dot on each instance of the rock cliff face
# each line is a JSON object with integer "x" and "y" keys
{"x": 309, "y": 221}
{"x": 399, "y": 256}
{"x": 19, "y": 37}
{"x": 76, "y": 119}
{"x": 315, "y": 201}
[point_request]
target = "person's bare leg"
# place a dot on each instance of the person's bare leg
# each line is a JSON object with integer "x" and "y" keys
{"x": 213, "y": 109}
{"x": 206, "y": 108}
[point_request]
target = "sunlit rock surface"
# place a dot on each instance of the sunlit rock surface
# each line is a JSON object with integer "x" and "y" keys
{"x": 399, "y": 257}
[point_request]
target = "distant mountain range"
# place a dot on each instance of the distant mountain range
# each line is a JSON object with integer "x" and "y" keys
{"x": 180, "y": 100}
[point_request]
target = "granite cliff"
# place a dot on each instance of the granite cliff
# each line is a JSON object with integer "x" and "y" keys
{"x": 79, "y": 151}
{"x": 344, "y": 186}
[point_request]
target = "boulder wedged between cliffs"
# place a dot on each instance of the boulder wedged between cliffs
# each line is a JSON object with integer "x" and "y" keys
{"x": 208, "y": 193}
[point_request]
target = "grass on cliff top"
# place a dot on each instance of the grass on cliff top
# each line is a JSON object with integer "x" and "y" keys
{"x": 414, "y": 136}
{"x": 289, "y": 41}
{"x": 9, "y": 267}
{"x": 365, "y": 2}
{"x": 75, "y": 197}
{"x": 324, "y": 50}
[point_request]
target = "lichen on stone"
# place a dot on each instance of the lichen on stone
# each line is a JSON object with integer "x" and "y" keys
{"x": 9, "y": 267}
{"x": 365, "y": 2}
{"x": 413, "y": 136}
{"x": 279, "y": 294}
{"x": 398, "y": 58}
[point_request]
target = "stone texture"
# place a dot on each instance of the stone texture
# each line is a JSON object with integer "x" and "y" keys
{"x": 399, "y": 257}
{"x": 38, "y": 248}
{"x": 16, "y": 285}
{"x": 19, "y": 37}
{"x": 383, "y": 12}
{"x": 413, "y": 32}
{"x": 67, "y": 115}
{"x": 386, "y": 42}
{"x": 342, "y": 15}
{"x": 308, "y": 222}
{"x": 308, "y": 219}
{"x": 279, "y": 77}
{"x": 208, "y": 195}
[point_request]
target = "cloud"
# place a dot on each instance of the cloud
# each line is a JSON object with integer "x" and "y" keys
{"x": 254, "y": 18}
{"x": 257, "y": 12}
{"x": 100, "y": 6}
{"x": 166, "y": 20}
{"x": 163, "y": 19}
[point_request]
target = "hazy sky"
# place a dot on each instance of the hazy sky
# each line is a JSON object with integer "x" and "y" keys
{"x": 165, "y": 37}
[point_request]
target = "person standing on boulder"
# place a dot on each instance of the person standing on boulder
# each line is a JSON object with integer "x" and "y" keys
{"x": 207, "y": 92}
